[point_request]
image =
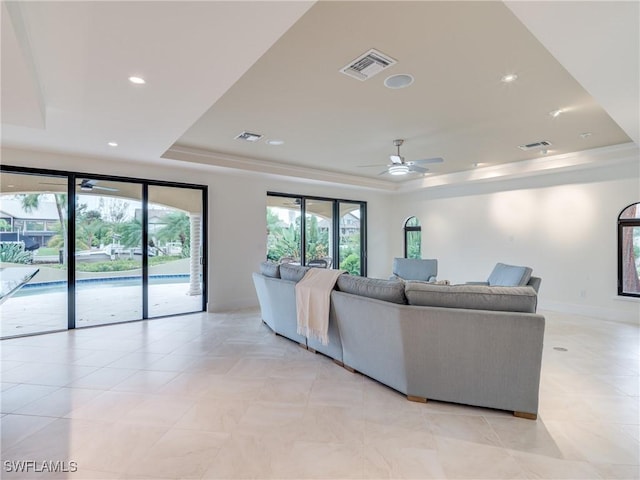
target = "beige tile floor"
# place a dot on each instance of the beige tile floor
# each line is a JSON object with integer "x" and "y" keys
{"x": 219, "y": 396}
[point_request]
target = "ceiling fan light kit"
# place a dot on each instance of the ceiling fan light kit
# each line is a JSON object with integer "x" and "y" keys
{"x": 399, "y": 169}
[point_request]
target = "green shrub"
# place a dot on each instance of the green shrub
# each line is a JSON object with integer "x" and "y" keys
{"x": 14, "y": 253}
{"x": 110, "y": 266}
{"x": 351, "y": 264}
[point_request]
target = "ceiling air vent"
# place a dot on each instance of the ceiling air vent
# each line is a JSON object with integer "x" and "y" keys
{"x": 368, "y": 65}
{"x": 249, "y": 137}
{"x": 532, "y": 146}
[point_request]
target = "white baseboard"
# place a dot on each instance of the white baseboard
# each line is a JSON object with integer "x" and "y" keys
{"x": 229, "y": 306}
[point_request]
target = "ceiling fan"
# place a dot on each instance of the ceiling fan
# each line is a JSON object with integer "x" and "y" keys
{"x": 399, "y": 166}
{"x": 87, "y": 185}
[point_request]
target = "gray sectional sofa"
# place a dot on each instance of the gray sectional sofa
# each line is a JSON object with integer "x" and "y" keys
{"x": 470, "y": 344}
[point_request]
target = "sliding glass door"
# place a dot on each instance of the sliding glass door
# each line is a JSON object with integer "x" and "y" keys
{"x": 319, "y": 232}
{"x": 108, "y": 251}
{"x": 351, "y": 237}
{"x": 33, "y": 267}
{"x": 284, "y": 220}
{"x": 128, "y": 250}
{"x": 174, "y": 244}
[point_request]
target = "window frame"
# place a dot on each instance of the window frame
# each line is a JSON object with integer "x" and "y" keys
{"x": 335, "y": 226}
{"x": 411, "y": 228}
{"x": 622, "y": 224}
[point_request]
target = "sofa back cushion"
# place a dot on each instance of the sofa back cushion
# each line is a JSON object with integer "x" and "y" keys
{"x": 475, "y": 297}
{"x": 509, "y": 276}
{"x": 293, "y": 273}
{"x": 270, "y": 269}
{"x": 387, "y": 290}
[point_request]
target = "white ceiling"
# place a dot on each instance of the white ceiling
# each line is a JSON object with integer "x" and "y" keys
{"x": 214, "y": 69}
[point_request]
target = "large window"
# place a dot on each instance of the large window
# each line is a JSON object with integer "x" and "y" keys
{"x": 629, "y": 251}
{"x": 412, "y": 238}
{"x": 321, "y": 232}
{"x": 81, "y": 250}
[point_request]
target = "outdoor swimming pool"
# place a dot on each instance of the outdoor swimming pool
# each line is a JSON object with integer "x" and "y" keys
{"x": 91, "y": 283}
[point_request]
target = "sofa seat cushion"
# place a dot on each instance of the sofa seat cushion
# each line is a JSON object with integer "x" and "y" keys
{"x": 270, "y": 269}
{"x": 387, "y": 290}
{"x": 475, "y": 297}
{"x": 504, "y": 275}
{"x": 293, "y": 273}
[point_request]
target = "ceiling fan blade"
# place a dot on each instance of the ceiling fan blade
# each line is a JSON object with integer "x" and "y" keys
{"x": 425, "y": 161}
{"x": 418, "y": 169}
{"x": 108, "y": 189}
{"x": 384, "y": 172}
{"x": 396, "y": 159}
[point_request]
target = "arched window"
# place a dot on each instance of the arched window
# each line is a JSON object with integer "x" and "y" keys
{"x": 412, "y": 238}
{"x": 629, "y": 251}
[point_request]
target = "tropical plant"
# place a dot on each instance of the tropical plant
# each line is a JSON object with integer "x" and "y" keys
{"x": 131, "y": 233}
{"x": 177, "y": 227}
{"x": 284, "y": 243}
{"x": 31, "y": 201}
{"x": 317, "y": 239}
{"x": 12, "y": 252}
{"x": 90, "y": 228}
{"x": 351, "y": 264}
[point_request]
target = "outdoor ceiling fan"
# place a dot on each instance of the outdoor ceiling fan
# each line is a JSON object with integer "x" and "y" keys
{"x": 399, "y": 166}
{"x": 87, "y": 185}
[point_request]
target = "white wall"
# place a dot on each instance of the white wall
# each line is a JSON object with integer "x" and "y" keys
{"x": 563, "y": 225}
{"x": 237, "y": 220}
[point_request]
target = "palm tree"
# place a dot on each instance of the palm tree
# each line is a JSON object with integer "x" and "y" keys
{"x": 31, "y": 201}
{"x": 177, "y": 228}
{"x": 131, "y": 233}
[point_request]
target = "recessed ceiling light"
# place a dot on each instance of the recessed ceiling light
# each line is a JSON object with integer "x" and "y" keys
{"x": 509, "y": 77}
{"x": 275, "y": 142}
{"x": 401, "y": 80}
{"x": 556, "y": 113}
{"x": 137, "y": 80}
{"x": 112, "y": 144}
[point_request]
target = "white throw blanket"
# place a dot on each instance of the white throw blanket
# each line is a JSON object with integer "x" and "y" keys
{"x": 313, "y": 296}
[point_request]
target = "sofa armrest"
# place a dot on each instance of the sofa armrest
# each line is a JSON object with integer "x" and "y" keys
{"x": 476, "y": 283}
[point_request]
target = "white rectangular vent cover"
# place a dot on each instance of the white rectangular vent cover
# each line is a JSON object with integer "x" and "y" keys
{"x": 249, "y": 137}
{"x": 534, "y": 145}
{"x": 368, "y": 65}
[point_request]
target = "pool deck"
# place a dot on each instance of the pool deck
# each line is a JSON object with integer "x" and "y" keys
{"x": 45, "y": 312}
{"x": 94, "y": 306}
